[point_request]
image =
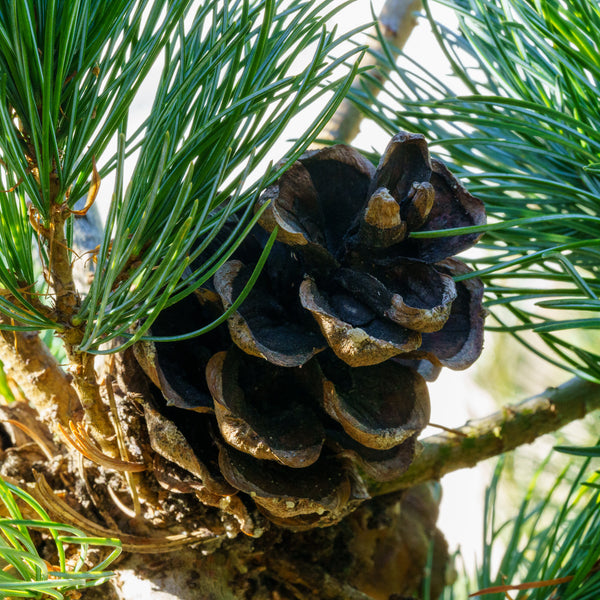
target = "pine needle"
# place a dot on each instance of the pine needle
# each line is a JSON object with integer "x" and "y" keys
{"x": 525, "y": 137}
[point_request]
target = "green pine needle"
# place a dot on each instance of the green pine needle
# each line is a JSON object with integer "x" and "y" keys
{"x": 24, "y": 573}
{"x": 228, "y": 89}
{"x": 525, "y": 138}
{"x": 230, "y": 84}
{"x": 552, "y": 537}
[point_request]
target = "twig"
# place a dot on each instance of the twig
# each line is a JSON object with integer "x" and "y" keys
{"x": 81, "y": 365}
{"x": 67, "y": 303}
{"x": 505, "y": 430}
{"x": 65, "y": 294}
{"x": 397, "y": 21}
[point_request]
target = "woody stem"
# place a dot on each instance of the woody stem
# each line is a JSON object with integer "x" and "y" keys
{"x": 501, "y": 432}
{"x": 67, "y": 303}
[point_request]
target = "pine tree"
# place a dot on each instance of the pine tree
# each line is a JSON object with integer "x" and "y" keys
{"x": 244, "y": 351}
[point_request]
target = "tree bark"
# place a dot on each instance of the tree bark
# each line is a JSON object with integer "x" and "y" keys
{"x": 27, "y": 361}
{"x": 380, "y": 551}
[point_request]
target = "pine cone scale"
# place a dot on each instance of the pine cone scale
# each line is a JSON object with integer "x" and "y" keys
{"x": 262, "y": 409}
{"x": 314, "y": 386}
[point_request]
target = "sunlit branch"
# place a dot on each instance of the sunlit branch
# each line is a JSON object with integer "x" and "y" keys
{"x": 396, "y": 21}
{"x": 501, "y": 432}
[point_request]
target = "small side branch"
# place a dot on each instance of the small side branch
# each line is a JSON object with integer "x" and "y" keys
{"x": 28, "y": 362}
{"x": 396, "y": 21}
{"x": 501, "y": 432}
{"x": 67, "y": 303}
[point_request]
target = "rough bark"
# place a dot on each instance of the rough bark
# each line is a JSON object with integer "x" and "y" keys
{"x": 380, "y": 550}
{"x": 81, "y": 364}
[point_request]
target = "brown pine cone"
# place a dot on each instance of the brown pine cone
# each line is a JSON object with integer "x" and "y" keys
{"x": 315, "y": 384}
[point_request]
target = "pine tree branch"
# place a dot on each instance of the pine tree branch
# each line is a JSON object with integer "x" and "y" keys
{"x": 67, "y": 303}
{"x": 66, "y": 298}
{"x": 27, "y": 360}
{"x": 501, "y": 432}
{"x": 396, "y": 21}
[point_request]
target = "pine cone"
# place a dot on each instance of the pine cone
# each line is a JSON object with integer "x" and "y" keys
{"x": 321, "y": 387}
